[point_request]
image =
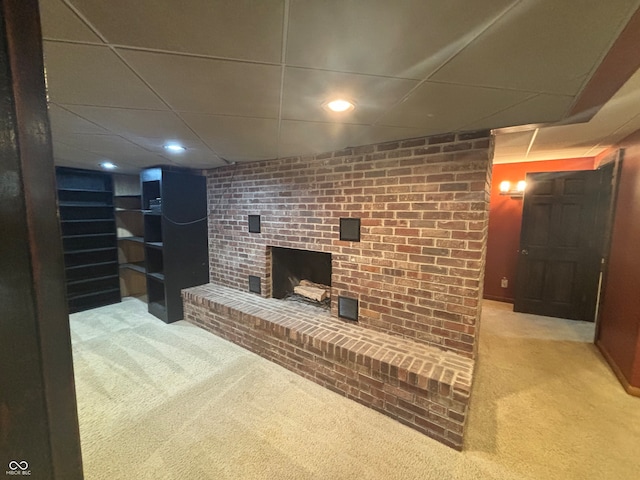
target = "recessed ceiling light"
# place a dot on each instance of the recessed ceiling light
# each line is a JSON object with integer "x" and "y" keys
{"x": 174, "y": 148}
{"x": 340, "y": 105}
{"x": 108, "y": 165}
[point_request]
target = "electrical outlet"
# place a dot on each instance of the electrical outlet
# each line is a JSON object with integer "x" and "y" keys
{"x": 504, "y": 283}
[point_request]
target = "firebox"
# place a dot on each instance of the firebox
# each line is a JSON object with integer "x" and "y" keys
{"x": 290, "y": 266}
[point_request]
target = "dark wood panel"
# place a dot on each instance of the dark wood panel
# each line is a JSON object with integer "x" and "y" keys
{"x": 38, "y": 418}
{"x": 540, "y": 217}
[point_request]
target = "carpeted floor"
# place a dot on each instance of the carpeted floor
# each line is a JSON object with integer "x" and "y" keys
{"x": 172, "y": 401}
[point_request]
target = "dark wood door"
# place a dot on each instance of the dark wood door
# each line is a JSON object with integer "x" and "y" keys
{"x": 560, "y": 245}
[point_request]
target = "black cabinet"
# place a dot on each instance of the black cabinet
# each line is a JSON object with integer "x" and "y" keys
{"x": 85, "y": 202}
{"x": 175, "y": 237}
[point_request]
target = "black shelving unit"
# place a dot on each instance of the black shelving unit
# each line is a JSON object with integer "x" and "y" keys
{"x": 85, "y": 203}
{"x": 175, "y": 237}
{"x": 130, "y": 227}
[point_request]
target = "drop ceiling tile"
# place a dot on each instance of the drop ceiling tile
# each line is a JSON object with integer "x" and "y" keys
{"x": 108, "y": 147}
{"x": 613, "y": 122}
{"x": 132, "y": 123}
{"x": 551, "y": 154}
{"x": 242, "y": 29}
{"x": 136, "y": 130}
{"x": 196, "y": 155}
{"x": 236, "y": 138}
{"x": 305, "y": 92}
{"x": 408, "y": 39}
{"x": 300, "y": 138}
{"x": 61, "y": 162}
{"x": 542, "y": 46}
{"x": 616, "y": 136}
{"x": 539, "y": 108}
{"x": 628, "y": 128}
{"x": 65, "y": 122}
{"x": 65, "y": 154}
{"x": 512, "y": 145}
{"x": 59, "y": 22}
{"x": 569, "y": 136}
{"x": 202, "y": 85}
{"x": 93, "y": 75}
{"x": 140, "y": 163}
{"x": 156, "y": 145}
{"x": 440, "y": 107}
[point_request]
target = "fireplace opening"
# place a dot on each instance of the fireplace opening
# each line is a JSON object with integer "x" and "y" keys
{"x": 301, "y": 275}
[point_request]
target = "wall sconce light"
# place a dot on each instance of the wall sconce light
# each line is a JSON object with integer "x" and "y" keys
{"x": 518, "y": 191}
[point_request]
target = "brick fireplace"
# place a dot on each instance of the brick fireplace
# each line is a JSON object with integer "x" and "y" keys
{"x": 290, "y": 266}
{"x": 404, "y": 224}
{"x": 422, "y": 206}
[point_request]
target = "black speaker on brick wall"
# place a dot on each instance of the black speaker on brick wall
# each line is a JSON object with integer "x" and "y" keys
{"x": 254, "y": 223}
{"x": 254, "y": 284}
{"x": 350, "y": 229}
{"x": 348, "y": 308}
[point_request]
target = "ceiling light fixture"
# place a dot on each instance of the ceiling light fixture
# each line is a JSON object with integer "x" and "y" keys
{"x": 174, "y": 148}
{"x": 340, "y": 105}
{"x": 108, "y": 165}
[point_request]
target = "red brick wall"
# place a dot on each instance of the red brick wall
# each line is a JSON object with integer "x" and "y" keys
{"x": 417, "y": 271}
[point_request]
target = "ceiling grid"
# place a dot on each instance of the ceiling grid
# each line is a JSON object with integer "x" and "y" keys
{"x": 246, "y": 80}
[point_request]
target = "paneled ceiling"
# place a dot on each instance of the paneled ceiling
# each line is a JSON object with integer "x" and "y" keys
{"x": 246, "y": 80}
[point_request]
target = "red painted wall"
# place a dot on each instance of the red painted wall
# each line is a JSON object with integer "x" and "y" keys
{"x": 619, "y": 333}
{"x": 505, "y": 217}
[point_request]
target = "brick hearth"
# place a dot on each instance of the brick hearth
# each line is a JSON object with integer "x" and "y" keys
{"x": 423, "y": 387}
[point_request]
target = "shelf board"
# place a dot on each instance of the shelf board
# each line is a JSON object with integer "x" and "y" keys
{"x": 159, "y": 245}
{"x": 156, "y": 276}
{"x": 86, "y": 265}
{"x": 89, "y": 220}
{"x": 131, "y": 239}
{"x": 88, "y": 250}
{"x": 89, "y": 280}
{"x": 89, "y": 235}
{"x": 127, "y": 196}
{"x": 121, "y": 209}
{"x": 82, "y": 190}
{"x": 85, "y": 205}
{"x": 135, "y": 266}
{"x": 152, "y": 212}
{"x": 92, "y": 294}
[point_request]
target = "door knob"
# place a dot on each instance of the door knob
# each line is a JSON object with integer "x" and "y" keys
{"x": 524, "y": 251}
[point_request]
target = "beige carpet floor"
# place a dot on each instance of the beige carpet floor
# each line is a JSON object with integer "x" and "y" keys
{"x": 172, "y": 401}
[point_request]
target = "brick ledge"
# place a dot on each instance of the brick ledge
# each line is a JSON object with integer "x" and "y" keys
{"x": 422, "y": 386}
